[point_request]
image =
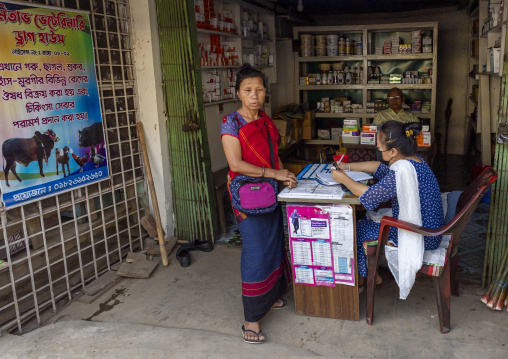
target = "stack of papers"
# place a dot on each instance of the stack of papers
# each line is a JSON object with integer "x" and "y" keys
{"x": 312, "y": 189}
{"x": 325, "y": 176}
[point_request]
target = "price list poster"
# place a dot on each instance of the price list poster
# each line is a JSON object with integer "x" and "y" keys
{"x": 311, "y": 245}
{"x": 322, "y": 246}
{"x": 51, "y": 130}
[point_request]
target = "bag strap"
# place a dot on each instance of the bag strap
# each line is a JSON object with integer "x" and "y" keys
{"x": 272, "y": 156}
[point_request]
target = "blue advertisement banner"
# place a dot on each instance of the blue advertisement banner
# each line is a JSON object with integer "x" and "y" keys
{"x": 51, "y": 130}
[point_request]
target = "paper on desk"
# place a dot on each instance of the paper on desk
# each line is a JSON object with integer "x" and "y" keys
{"x": 325, "y": 176}
{"x": 310, "y": 171}
{"x": 312, "y": 189}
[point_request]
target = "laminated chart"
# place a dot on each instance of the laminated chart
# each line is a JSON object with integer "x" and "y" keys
{"x": 343, "y": 245}
{"x": 322, "y": 244}
{"x": 342, "y": 227}
{"x": 311, "y": 245}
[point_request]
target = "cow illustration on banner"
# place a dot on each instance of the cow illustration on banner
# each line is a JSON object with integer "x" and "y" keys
{"x": 52, "y": 136}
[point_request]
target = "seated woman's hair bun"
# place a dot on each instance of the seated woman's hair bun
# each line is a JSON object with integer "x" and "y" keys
{"x": 413, "y": 129}
{"x": 401, "y": 136}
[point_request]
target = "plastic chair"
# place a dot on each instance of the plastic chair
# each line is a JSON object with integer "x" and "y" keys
{"x": 445, "y": 278}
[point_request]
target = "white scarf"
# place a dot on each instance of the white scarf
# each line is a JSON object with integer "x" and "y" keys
{"x": 406, "y": 259}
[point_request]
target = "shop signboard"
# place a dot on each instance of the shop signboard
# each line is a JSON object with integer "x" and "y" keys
{"x": 51, "y": 130}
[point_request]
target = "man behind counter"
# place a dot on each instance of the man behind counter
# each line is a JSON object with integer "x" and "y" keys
{"x": 395, "y": 112}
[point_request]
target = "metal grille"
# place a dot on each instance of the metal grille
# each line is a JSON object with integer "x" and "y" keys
{"x": 193, "y": 199}
{"x": 72, "y": 238}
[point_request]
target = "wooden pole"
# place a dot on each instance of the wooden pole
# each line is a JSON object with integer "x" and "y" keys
{"x": 153, "y": 196}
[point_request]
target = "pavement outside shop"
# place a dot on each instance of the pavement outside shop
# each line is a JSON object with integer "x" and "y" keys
{"x": 196, "y": 312}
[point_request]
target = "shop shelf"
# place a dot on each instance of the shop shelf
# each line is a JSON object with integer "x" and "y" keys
{"x": 489, "y": 73}
{"x": 322, "y": 142}
{"x": 329, "y": 87}
{"x": 420, "y": 115}
{"x": 329, "y": 58}
{"x": 262, "y": 41}
{"x": 401, "y": 86}
{"x": 306, "y": 65}
{"x": 220, "y": 102}
{"x": 221, "y": 33}
{"x": 219, "y": 67}
{"x": 401, "y": 57}
{"x": 495, "y": 29}
{"x": 338, "y": 115}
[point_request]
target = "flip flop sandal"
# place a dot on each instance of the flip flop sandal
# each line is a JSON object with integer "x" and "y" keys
{"x": 284, "y": 303}
{"x": 251, "y": 341}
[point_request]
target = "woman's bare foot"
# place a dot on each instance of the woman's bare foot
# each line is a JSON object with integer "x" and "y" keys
{"x": 279, "y": 303}
{"x": 251, "y": 327}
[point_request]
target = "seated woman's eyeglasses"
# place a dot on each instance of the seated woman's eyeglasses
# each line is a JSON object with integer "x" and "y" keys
{"x": 391, "y": 98}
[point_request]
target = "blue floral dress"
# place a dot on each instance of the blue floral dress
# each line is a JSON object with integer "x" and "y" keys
{"x": 386, "y": 189}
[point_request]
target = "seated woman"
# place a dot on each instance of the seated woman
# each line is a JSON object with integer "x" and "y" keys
{"x": 395, "y": 142}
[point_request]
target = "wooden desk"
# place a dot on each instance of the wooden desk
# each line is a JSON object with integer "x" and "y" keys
{"x": 339, "y": 302}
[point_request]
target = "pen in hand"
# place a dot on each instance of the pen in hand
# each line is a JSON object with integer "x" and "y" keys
{"x": 342, "y": 157}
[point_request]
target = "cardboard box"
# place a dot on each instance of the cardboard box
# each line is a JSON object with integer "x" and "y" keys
{"x": 351, "y": 139}
{"x": 495, "y": 59}
{"x": 296, "y": 129}
{"x": 341, "y": 99}
{"x": 416, "y": 49}
{"x": 368, "y": 138}
{"x": 308, "y": 132}
{"x": 369, "y": 128}
{"x": 350, "y": 133}
{"x": 283, "y": 126}
{"x": 295, "y": 166}
{"x": 424, "y": 139}
{"x": 350, "y": 122}
{"x": 427, "y": 49}
{"x": 350, "y": 128}
{"x": 336, "y": 132}
{"x": 310, "y": 116}
{"x": 323, "y": 134}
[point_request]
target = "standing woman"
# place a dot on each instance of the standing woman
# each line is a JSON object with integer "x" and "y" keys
{"x": 409, "y": 183}
{"x": 244, "y": 135}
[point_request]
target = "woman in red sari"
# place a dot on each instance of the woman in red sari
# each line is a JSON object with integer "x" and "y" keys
{"x": 245, "y": 141}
